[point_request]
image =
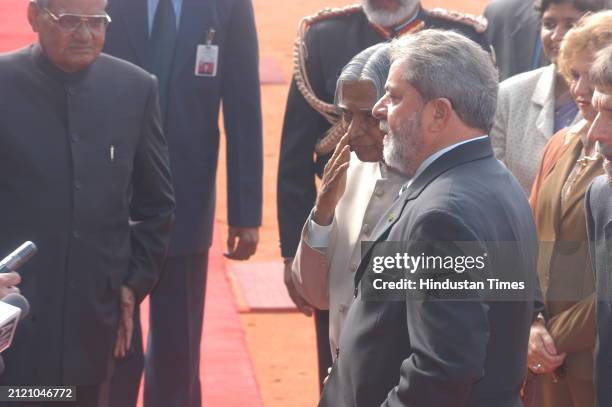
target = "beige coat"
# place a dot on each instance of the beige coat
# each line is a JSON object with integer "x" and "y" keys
{"x": 324, "y": 276}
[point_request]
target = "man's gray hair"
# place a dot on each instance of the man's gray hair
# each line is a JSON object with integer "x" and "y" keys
{"x": 601, "y": 70}
{"x": 445, "y": 64}
{"x": 371, "y": 64}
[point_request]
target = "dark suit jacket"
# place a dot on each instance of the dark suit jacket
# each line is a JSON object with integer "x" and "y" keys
{"x": 81, "y": 156}
{"x": 514, "y": 26}
{"x": 599, "y": 227}
{"x": 331, "y": 44}
{"x": 191, "y": 123}
{"x": 428, "y": 352}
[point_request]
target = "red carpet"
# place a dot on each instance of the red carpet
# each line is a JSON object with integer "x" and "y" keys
{"x": 259, "y": 286}
{"x": 14, "y": 29}
{"x": 227, "y": 375}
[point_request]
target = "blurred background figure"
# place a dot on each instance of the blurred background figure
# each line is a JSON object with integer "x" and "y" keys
{"x": 563, "y": 337}
{"x": 513, "y": 31}
{"x": 534, "y": 105}
{"x": 204, "y": 53}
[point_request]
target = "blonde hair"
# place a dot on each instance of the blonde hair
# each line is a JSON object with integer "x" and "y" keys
{"x": 590, "y": 34}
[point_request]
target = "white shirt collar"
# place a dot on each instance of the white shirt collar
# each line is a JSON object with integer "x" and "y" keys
{"x": 429, "y": 160}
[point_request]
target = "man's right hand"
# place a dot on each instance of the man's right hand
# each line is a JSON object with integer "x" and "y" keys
{"x": 542, "y": 355}
{"x": 8, "y": 281}
{"x": 297, "y": 299}
{"x": 333, "y": 183}
{"x": 126, "y": 322}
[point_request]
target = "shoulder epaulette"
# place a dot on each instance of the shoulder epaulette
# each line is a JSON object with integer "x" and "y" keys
{"x": 329, "y": 13}
{"x": 479, "y": 23}
{"x": 300, "y": 55}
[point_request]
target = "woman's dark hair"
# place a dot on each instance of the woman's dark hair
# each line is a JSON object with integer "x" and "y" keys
{"x": 580, "y": 5}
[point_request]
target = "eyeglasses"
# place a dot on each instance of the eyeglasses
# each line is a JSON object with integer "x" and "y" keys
{"x": 70, "y": 22}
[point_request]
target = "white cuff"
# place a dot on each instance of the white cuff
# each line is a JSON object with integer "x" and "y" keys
{"x": 317, "y": 236}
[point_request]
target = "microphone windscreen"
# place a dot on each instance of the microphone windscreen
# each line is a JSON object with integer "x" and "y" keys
{"x": 19, "y": 301}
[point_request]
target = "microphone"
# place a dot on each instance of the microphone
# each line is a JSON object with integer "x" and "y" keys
{"x": 18, "y": 258}
{"x": 14, "y": 307}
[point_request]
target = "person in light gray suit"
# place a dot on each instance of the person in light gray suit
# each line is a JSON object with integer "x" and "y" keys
{"x": 422, "y": 350}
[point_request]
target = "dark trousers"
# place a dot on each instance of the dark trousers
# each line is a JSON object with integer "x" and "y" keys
{"x": 323, "y": 351}
{"x": 172, "y": 363}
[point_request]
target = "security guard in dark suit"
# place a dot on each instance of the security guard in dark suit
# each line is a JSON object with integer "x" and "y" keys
{"x": 204, "y": 53}
{"x": 327, "y": 41}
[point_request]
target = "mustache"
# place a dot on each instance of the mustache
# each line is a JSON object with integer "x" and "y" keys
{"x": 604, "y": 149}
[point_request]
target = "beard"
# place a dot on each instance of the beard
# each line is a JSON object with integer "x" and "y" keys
{"x": 387, "y": 18}
{"x": 401, "y": 147}
{"x": 606, "y": 151}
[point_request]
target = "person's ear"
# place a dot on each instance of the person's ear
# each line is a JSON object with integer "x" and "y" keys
{"x": 33, "y": 14}
{"x": 440, "y": 114}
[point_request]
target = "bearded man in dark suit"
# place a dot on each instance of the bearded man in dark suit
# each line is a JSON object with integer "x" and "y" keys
{"x": 443, "y": 347}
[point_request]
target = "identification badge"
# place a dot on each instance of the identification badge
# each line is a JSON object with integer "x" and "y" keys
{"x": 207, "y": 58}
